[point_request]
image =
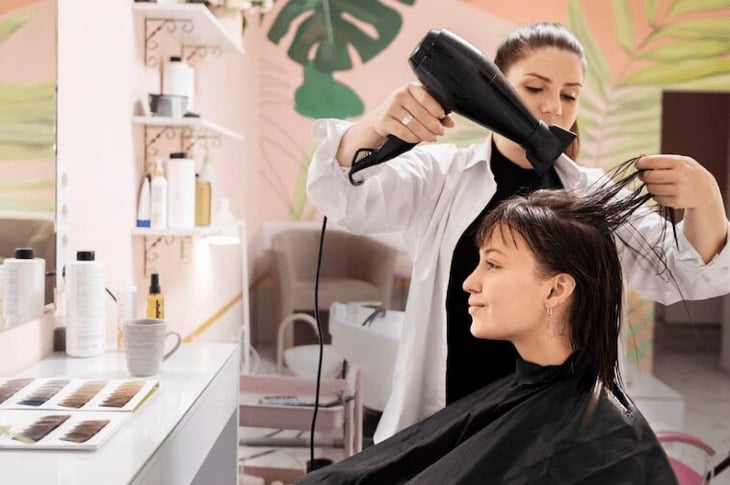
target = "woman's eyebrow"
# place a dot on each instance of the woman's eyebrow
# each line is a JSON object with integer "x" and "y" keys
{"x": 548, "y": 80}
{"x": 486, "y": 251}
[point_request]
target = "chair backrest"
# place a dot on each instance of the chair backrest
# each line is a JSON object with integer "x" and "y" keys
{"x": 344, "y": 255}
{"x": 685, "y": 474}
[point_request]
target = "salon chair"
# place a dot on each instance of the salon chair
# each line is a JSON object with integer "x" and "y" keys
{"x": 354, "y": 268}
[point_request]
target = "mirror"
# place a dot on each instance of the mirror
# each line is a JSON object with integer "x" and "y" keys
{"x": 28, "y": 130}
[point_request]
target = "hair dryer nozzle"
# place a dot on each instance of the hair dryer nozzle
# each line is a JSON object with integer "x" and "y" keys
{"x": 545, "y": 144}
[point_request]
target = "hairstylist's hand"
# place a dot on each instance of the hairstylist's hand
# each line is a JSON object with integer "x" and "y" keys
{"x": 682, "y": 183}
{"x": 411, "y": 114}
{"x": 678, "y": 181}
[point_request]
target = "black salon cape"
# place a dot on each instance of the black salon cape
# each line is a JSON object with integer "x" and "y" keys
{"x": 541, "y": 425}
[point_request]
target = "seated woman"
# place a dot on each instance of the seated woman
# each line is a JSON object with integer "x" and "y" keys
{"x": 549, "y": 281}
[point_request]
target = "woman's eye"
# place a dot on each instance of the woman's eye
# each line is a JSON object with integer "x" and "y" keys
{"x": 491, "y": 265}
{"x": 570, "y": 97}
{"x": 533, "y": 89}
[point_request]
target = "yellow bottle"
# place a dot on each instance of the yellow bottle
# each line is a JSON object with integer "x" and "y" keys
{"x": 155, "y": 307}
{"x": 203, "y": 195}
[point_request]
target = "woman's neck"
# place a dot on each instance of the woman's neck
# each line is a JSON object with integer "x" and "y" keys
{"x": 512, "y": 151}
{"x": 547, "y": 348}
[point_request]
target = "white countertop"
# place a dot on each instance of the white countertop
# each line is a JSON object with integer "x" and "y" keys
{"x": 183, "y": 379}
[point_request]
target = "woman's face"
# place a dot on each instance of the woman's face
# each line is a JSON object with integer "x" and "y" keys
{"x": 549, "y": 81}
{"x": 507, "y": 294}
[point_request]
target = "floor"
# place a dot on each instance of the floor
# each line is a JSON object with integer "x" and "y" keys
{"x": 693, "y": 373}
{"x": 706, "y": 391}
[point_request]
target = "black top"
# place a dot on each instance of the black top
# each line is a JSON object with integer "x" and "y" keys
{"x": 472, "y": 363}
{"x": 541, "y": 425}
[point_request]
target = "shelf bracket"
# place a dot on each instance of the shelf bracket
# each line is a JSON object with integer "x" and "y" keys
{"x": 152, "y": 134}
{"x": 151, "y": 245}
{"x": 188, "y": 140}
{"x": 201, "y": 51}
{"x": 152, "y": 26}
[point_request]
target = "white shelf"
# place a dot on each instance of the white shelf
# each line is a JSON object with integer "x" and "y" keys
{"x": 198, "y": 231}
{"x": 206, "y": 29}
{"x": 199, "y": 126}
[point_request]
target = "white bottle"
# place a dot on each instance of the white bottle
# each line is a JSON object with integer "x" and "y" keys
{"x": 24, "y": 278}
{"x": 179, "y": 80}
{"x": 180, "y": 192}
{"x": 143, "y": 203}
{"x": 158, "y": 198}
{"x": 85, "y": 306}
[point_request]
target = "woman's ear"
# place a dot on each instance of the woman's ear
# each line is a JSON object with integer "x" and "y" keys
{"x": 562, "y": 286}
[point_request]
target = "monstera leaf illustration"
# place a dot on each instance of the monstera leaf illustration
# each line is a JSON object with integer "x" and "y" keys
{"x": 322, "y": 44}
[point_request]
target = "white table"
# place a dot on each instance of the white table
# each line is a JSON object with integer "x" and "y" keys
{"x": 186, "y": 432}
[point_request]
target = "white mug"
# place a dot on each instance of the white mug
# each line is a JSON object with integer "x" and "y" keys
{"x": 144, "y": 345}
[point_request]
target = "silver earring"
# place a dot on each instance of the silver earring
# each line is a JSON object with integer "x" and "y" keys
{"x": 549, "y": 314}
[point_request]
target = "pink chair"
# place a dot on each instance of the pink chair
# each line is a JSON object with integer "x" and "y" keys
{"x": 685, "y": 474}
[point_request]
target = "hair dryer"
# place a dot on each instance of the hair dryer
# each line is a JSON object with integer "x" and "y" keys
{"x": 465, "y": 81}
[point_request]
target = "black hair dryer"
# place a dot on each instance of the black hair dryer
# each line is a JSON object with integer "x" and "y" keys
{"x": 465, "y": 81}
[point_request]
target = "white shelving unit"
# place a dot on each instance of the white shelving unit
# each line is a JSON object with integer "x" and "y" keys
{"x": 191, "y": 25}
{"x": 194, "y": 28}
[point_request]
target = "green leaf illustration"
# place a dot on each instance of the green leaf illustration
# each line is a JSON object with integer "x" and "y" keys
{"x": 637, "y": 100}
{"x": 716, "y": 28}
{"x": 27, "y": 121}
{"x": 720, "y": 82}
{"x": 689, "y": 48}
{"x": 622, "y": 24}
{"x": 650, "y": 10}
{"x": 321, "y": 96}
{"x": 325, "y": 37}
{"x": 688, "y": 6}
{"x": 671, "y": 73}
{"x": 598, "y": 71}
{"x": 327, "y": 29}
{"x": 11, "y": 24}
{"x": 27, "y": 204}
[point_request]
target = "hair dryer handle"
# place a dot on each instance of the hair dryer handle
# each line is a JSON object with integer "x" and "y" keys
{"x": 391, "y": 148}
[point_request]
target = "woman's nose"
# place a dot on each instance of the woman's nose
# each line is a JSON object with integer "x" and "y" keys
{"x": 470, "y": 283}
{"x": 551, "y": 107}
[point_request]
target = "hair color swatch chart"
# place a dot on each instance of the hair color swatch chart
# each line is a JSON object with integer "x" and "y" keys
{"x": 66, "y": 413}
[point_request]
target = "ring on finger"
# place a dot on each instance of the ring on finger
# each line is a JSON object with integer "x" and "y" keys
{"x": 407, "y": 118}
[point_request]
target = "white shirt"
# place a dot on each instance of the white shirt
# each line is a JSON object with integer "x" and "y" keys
{"x": 430, "y": 195}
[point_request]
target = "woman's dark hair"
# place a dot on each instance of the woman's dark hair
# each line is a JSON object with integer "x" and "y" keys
{"x": 529, "y": 38}
{"x": 576, "y": 233}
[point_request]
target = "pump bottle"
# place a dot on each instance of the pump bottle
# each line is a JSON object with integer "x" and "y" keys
{"x": 158, "y": 197}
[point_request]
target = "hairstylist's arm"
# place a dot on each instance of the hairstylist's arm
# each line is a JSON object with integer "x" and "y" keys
{"x": 682, "y": 183}
{"x": 427, "y": 122}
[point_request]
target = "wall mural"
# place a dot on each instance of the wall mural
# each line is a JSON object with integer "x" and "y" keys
{"x": 27, "y": 108}
{"x": 646, "y": 47}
